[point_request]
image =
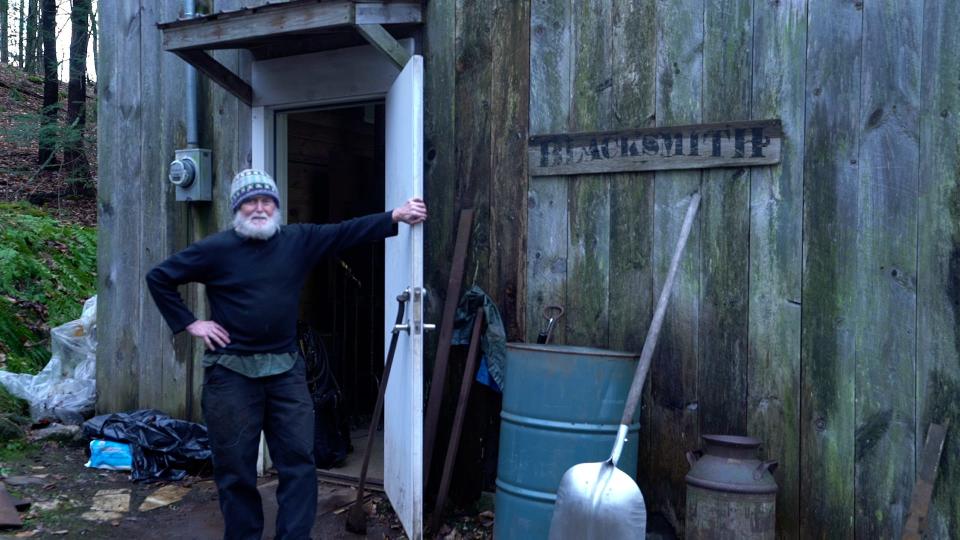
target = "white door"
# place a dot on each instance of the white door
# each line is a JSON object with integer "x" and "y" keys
{"x": 403, "y": 262}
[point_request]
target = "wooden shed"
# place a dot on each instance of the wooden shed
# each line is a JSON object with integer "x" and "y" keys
{"x": 818, "y": 300}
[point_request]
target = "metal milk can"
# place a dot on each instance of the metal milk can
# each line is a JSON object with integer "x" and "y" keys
{"x": 730, "y": 493}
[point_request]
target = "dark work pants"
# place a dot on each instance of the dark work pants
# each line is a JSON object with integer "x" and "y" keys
{"x": 236, "y": 408}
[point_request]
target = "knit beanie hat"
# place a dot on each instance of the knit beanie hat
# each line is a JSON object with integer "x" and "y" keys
{"x": 250, "y": 183}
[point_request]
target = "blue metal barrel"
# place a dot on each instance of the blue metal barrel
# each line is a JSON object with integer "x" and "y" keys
{"x": 561, "y": 406}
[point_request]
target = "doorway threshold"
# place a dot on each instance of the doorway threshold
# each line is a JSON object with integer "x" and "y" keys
{"x": 348, "y": 474}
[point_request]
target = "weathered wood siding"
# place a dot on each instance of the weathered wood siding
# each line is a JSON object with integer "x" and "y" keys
{"x": 141, "y": 105}
{"x": 817, "y": 305}
{"x": 477, "y": 97}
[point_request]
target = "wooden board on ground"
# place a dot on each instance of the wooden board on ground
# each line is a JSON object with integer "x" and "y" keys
{"x": 9, "y": 517}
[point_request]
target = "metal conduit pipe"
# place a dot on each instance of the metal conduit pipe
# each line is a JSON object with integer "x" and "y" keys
{"x": 193, "y": 138}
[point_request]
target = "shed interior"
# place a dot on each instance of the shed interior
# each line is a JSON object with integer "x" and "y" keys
{"x": 335, "y": 164}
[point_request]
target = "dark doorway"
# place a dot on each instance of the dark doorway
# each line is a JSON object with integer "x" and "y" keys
{"x": 335, "y": 171}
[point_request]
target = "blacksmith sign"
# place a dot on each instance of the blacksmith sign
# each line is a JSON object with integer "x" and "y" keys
{"x": 701, "y": 146}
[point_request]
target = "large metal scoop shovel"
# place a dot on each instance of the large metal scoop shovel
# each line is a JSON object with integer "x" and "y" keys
{"x": 598, "y": 501}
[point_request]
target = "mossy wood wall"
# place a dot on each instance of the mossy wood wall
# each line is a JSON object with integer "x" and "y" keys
{"x": 817, "y": 304}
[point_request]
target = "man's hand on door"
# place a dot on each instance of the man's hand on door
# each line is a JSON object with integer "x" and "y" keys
{"x": 412, "y": 212}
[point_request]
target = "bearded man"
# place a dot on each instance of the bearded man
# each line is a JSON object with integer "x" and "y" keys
{"x": 254, "y": 377}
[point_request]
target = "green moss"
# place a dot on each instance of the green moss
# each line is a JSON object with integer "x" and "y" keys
{"x": 47, "y": 270}
{"x": 17, "y": 450}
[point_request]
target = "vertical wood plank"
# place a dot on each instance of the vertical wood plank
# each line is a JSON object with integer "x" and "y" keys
{"x": 725, "y": 224}
{"x": 633, "y": 73}
{"x": 118, "y": 266}
{"x": 631, "y": 292}
{"x": 440, "y": 170}
{"x": 938, "y": 276}
{"x": 509, "y": 117}
{"x": 474, "y": 53}
{"x": 673, "y": 373}
{"x": 152, "y": 219}
{"x": 587, "y": 313}
{"x": 776, "y": 202}
{"x": 828, "y": 322}
{"x": 176, "y": 354}
{"x": 550, "y": 98}
{"x": 887, "y": 267}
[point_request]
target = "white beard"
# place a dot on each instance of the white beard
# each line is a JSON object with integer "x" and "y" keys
{"x": 247, "y": 228}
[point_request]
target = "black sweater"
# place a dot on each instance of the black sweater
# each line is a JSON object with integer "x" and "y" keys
{"x": 254, "y": 285}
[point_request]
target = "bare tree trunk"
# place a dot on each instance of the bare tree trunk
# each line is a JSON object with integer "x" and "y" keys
{"x": 30, "y": 56}
{"x": 73, "y": 154}
{"x": 5, "y": 31}
{"x": 48, "y": 118}
{"x": 20, "y": 56}
{"x": 93, "y": 34}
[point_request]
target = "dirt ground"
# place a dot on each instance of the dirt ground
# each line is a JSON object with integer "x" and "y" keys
{"x": 69, "y": 500}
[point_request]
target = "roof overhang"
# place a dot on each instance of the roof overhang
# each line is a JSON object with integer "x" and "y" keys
{"x": 339, "y": 22}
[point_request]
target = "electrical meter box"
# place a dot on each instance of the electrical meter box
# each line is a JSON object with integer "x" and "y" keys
{"x": 192, "y": 174}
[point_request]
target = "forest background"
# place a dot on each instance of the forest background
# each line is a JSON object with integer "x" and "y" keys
{"x": 48, "y": 182}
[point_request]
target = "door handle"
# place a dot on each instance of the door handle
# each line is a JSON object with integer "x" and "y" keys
{"x": 418, "y": 296}
{"x": 406, "y": 328}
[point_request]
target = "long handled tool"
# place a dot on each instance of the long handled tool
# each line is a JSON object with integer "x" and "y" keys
{"x": 552, "y": 314}
{"x": 357, "y": 518}
{"x": 598, "y": 501}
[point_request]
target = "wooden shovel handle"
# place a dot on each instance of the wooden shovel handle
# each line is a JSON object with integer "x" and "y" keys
{"x": 653, "y": 333}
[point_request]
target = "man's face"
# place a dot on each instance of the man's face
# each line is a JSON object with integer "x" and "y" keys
{"x": 258, "y": 211}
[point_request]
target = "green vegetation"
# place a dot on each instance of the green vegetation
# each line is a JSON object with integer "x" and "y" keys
{"x": 47, "y": 270}
{"x": 17, "y": 450}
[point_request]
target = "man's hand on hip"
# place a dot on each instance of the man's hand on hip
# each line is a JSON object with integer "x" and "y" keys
{"x": 412, "y": 212}
{"x": 211, "y": 332}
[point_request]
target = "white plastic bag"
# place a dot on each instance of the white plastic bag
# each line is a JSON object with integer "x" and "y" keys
{"x": 66, "y": 387}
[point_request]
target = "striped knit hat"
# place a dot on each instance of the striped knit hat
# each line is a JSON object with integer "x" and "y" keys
{"x": 250, "y": 183}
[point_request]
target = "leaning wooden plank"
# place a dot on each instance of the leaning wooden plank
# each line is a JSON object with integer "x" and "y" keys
{"x": 9, "y": 517}
{"x": 443, "y": 347}
{"x": 886, "y": 299}
{"x": 938, "y": 276}
{"x": 725, "y": 224}
{"x": 926, "y": 479}
{"x": 463, "y": 398}
{"x": 776, "y": 202}
{"x": 674, "y": 414}
{"x": 828, "y": 335}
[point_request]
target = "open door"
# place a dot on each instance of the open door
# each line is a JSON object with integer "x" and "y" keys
{"x": 403, "y": 411}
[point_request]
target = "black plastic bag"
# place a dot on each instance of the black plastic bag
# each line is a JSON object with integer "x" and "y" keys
{"x": 163, "y": 448}
{"x": 331, "y": 431}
